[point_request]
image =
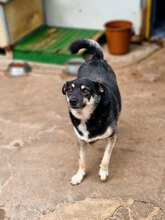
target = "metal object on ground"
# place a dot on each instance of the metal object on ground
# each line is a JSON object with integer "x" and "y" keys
{"x": 73, "y": 65}
{"x": 18, "y": 68}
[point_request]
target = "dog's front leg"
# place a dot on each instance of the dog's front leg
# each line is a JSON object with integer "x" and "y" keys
{"x": 78, "y": 177}
{"x": 103, "y": 172}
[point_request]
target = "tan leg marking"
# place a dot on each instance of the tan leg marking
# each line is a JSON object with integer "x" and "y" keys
{"x": 78, "y": 177}
{"x": 81, "y": 164}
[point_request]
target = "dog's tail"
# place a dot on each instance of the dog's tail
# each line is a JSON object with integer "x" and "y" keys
{"x": 90, "y": 45}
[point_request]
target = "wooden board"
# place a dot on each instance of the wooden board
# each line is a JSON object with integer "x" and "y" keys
{"x": 23, "y": 16}
{"x": 3, "y": 33}
{"x": 51, "y": 44}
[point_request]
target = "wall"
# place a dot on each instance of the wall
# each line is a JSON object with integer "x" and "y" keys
{"x": 92, "y": 13}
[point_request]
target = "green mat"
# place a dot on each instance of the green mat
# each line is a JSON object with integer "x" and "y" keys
{"x": 50, "y": 44}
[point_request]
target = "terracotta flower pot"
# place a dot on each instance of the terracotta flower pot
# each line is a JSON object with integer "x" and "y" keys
{"x": 118, "y": 34}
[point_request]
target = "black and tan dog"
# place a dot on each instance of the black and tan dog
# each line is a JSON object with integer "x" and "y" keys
{"x": 94, "y": 105}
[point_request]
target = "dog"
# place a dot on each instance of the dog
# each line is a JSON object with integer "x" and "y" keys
{"x": 94, "y": 104}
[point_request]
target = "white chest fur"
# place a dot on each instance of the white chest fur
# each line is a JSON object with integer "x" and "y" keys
{"x": 85, "y": 134}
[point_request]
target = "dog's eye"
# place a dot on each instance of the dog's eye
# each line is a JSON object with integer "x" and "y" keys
{"x": 70, "y": 90}
{"x": 86, "y": 91}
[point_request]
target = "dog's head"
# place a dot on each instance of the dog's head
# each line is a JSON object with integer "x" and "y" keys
{"x": 83, "y": 94}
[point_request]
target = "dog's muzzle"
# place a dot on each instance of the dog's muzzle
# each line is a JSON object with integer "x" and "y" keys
{"x": 75, "y": 103}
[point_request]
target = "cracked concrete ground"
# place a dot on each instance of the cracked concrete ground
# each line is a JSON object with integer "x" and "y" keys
{"x": 38, "y": 152}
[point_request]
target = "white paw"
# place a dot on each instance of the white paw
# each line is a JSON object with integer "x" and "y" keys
{"x": 78, "y": 177}
{"x": 103, "y": 174}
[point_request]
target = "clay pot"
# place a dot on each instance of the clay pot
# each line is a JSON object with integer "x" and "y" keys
{"x": 118, "y": 34}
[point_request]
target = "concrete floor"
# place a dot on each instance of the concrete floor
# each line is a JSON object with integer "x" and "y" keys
{"x": 38, "y": 153}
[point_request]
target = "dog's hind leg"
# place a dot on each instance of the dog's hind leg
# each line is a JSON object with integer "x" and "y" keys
{"x": 78, "y": 177}
{"x": 103, "y": 172}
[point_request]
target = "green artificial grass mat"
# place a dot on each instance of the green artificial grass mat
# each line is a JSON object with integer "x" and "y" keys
{"x": 51, "y": 44}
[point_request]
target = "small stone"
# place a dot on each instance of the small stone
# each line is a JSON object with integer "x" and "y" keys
{"x": 137, "y": 74}
{"x": 16, "y": 143}
{"x": 151, "y": 77}
{"x": 2, "y": 214}
{"x": 153, "y": 93}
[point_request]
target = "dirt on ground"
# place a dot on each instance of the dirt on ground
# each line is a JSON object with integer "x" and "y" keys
{"x": 38, "y": 152}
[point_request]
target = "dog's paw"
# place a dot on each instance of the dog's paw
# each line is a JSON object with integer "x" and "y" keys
{"x": 78, "y": 177}
{"x": 103, "y": 174}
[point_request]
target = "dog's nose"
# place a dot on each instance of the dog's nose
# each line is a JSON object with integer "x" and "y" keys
{"x": 73, "y": 102}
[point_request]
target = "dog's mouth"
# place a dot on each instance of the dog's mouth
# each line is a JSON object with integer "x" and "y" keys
{"x": 78, "y": 107}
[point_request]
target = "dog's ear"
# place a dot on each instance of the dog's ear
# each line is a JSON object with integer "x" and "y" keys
{"x": 100, "y": 88}
{"x": 64, "y": 88}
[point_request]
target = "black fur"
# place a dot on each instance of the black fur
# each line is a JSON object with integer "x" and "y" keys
{"x": 91, "y": 46}
{"x": 100, "y": 79}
